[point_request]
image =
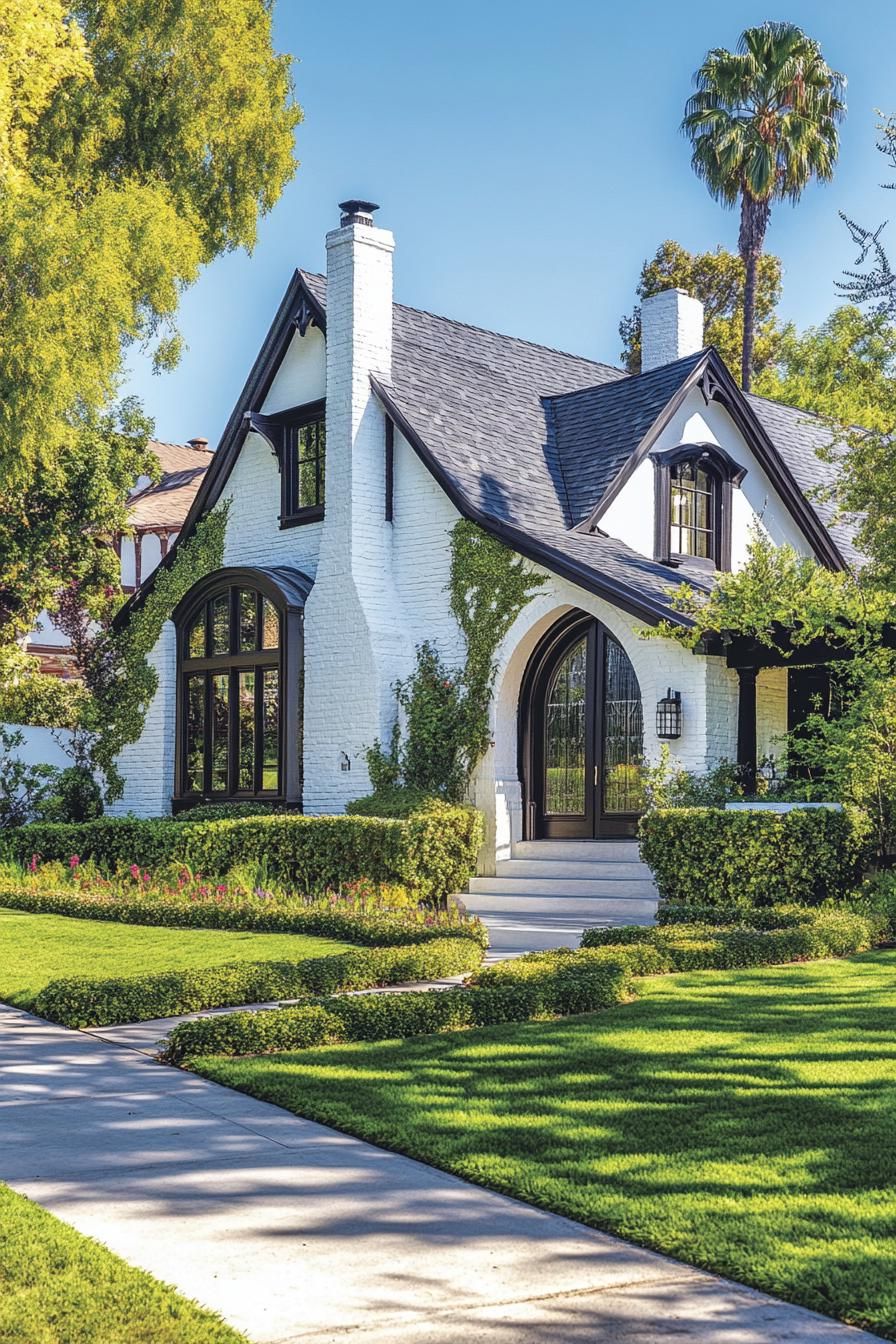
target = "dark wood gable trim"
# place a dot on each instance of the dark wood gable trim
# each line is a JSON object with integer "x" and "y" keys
{"x": 636, "y": 604}
{"x": 297, "y": 310}
{"x": 716, "y": 384}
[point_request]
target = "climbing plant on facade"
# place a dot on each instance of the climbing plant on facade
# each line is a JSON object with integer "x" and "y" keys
{"x": 116, "y": 668}
{"x": 445, "y": 709}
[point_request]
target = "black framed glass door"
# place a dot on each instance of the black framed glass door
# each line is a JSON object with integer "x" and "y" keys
{"x": 581, "y": 735}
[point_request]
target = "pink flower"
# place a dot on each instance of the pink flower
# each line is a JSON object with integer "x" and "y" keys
{"x": 73, "y": 862}
{"x": 135, "y": 871}
{"x": 221, "y": 889}
{"x": 32, "y": 867}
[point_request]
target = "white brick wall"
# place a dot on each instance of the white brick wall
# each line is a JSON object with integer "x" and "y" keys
{"x": 771, "y": 712}
{"x": 357, "y": 636}
{"x": 148, "y": 764}
{"x": 671, "y": 327}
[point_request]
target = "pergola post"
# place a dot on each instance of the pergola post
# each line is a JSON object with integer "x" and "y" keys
{"x": 746, "y": 726}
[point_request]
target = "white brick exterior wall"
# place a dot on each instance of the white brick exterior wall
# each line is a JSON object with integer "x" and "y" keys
{"x": 357, "y": 637}
{"x": 148, "y": 764}
{"x": 671, "y": 327}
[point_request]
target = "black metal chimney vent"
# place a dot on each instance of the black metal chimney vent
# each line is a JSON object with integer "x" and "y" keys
{"x": 356, "y": 212}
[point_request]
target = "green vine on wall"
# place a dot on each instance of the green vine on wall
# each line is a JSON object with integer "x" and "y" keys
{"x": 489, "y": 586}
{"x": 446, "y": 709}
{"x": 118, "y": 674}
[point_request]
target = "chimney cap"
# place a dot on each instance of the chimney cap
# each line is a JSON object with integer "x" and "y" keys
{"x": 198, "y": 442}
{"x": 357, "y": 212}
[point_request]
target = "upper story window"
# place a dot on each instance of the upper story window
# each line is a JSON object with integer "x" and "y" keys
{"x": 303, "y": 467}
{"x": 693, "y": 505}
{"x": 693, "y": 511}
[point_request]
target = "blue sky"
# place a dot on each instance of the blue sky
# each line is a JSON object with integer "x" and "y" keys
{"x": 527, "y": 158}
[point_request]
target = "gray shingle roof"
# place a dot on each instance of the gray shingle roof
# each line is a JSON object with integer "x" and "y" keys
{"x": 597, "y": 430}
{"x": 531, "y": 438}
{"x": 797, "y": 435}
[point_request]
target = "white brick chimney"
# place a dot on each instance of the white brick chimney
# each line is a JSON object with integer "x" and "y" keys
{"x": 671, "y": 327}
{"x": 355, "y": 645}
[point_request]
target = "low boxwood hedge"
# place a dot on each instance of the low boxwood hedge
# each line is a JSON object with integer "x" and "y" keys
{"x": 395, "y": 929}
{"x": 797, "y": 937}
{"x": 433, "y": 852}
{"x": 709, "y": 856}
{"x": 86, "y": 1002}
{"x": 597, "y": 983}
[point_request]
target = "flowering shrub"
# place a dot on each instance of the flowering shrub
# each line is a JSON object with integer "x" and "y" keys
{"x": 177, "y": 896}
{"x": 433, "y": 852}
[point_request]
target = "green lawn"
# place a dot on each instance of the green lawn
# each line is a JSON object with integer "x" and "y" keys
{"x": 59, "y": 1287}
{"x": 35, "y": 949}
{"x": 740, "y": 1120}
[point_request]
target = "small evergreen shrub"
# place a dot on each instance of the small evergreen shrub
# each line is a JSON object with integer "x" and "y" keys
{"x": 223, "y": 811}
{"x": 828, "y": 932}
{"x": 396, "y": 800}
{"x": 710, "y": 857}
{"x": 432, "y": 852}
{"x": 598, "y": 982}
{"x": 86, "y": 1002}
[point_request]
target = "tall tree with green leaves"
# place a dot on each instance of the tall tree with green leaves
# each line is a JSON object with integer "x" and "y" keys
{"x": 139, "y": 139}
{"x": 844, "y": 369}
{"x": 717, "y": 279}
{"x": 762, "y": 122}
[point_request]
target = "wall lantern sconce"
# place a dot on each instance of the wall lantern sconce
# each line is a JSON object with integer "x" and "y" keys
{"x": 668, "y": 715}
{"x": 344, "y": 761}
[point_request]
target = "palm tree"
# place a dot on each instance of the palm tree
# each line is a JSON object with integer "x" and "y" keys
{"x": 762, "y": 123}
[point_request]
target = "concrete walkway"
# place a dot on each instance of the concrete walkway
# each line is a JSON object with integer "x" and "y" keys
{"x": 295, "y": 1232}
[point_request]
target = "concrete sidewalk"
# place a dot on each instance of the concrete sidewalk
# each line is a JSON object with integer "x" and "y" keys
{"x": 295, "y": 1232}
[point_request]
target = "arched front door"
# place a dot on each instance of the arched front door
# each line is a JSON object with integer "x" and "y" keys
{"x": 581, "y": 735}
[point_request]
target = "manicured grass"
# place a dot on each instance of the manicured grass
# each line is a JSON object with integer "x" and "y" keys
{"x": 739, "y": 1120}
{"x": 59, "y": 1287}
{"x": 35, "y": 949}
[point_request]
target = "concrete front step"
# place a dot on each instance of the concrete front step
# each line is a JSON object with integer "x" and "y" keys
{"x": 577, "y": 868}
{"x": 584, "y": 910}
{"x": 562, "y": 887}
{"x": 592, "y": 851}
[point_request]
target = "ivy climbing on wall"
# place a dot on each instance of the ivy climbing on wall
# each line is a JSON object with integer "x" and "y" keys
{"x": 446, "y": 709}
{"x": 489, "y": 587}
{"x": 118, "y": 674}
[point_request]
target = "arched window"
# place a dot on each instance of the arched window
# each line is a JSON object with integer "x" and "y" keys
{"x": 239, "y": 717}
{"x": 693, "y": 504}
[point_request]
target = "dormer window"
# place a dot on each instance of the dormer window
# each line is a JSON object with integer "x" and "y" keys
{"x": 693, "y": 505}
{"x": 693, "y": 511}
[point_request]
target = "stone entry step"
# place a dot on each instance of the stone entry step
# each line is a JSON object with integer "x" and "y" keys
{"x": 580, "y": 911}
{"x": 592, "y": 851}
{"x": 551, "y": 887}
{"x": 624, "y": 869}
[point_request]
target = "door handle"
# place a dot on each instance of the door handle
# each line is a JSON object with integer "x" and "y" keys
{"x": 596, "y": 775}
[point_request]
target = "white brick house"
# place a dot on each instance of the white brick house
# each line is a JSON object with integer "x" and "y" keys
{"x": 366, "y": 429}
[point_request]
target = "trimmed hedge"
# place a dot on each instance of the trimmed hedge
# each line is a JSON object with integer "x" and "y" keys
{"x": 398, "y": 801}
{"x": 282, "y": 916}
{"x": 85, "y": 1002}
{"x": 433, "y": 852}
{"x": 701, "y": 947}
{"x": 711, "y": 857}
{"x": 600, "y": 983}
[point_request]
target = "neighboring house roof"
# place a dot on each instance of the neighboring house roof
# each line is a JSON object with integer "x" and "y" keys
{"x": 528, "y": 441}
{"x": 166, "y": 503}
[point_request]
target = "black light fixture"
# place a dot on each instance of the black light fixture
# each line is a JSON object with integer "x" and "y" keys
{"x": 668, "y": 715}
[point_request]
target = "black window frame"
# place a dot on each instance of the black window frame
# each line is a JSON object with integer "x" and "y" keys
{"x": 723, "y": 474}
{"x": 285, "y": 428}
{"x": 285, "y": 659}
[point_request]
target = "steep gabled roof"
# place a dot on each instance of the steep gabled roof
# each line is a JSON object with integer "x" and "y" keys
{"x": 598, "y": 430}
{"x": 166, "y": 502}
{"x": 532, "y": 443}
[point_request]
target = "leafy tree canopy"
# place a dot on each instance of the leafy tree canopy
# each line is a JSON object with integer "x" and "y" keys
{"x": 138, "y": 140}
{"x": 717, "y": 279}
{"x": 844, "y": 369}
